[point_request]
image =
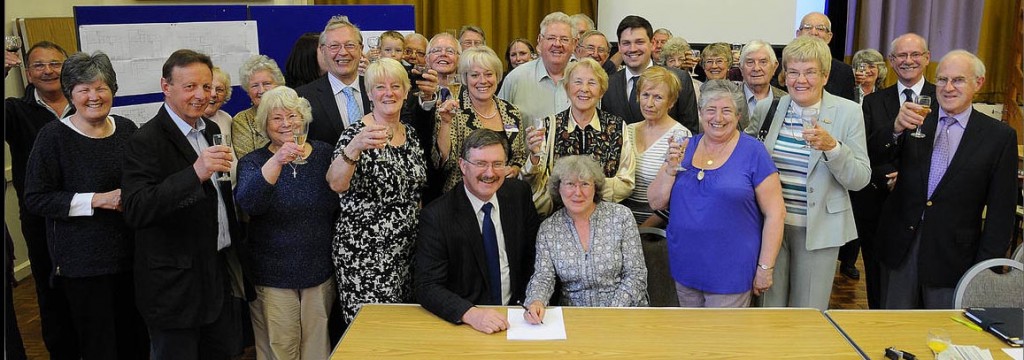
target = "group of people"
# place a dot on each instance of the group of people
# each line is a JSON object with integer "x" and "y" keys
{"x": 420, "y": 172}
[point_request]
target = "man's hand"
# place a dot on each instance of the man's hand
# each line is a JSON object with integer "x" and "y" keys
{"x": 486, "y": 321}
{"x": 908, "y": 117}
{"x": 213, "y": 159}
{"x": 110, "y": 200}
{"x": 11, "y": 59}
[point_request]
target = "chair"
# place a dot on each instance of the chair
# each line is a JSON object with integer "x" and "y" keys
{"x": 981, "y": 287}
{"x": 661, "y": 288}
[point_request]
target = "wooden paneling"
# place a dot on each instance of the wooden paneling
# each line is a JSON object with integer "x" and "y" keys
{"x": 59, "y": 30}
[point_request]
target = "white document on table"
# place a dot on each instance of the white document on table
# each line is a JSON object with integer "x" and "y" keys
{"x": 1016, "y": 353}
{"x": 553, "y": 327}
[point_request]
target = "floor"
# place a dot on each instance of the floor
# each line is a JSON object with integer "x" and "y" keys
{"x": 846, "y": 294}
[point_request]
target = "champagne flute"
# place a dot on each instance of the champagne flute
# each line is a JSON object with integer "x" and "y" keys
{"x": 926, "y": 107}
{"x": 938, "y": 340}
{"x": 862, "y": 68}
{"x": 808, "y": 118}
{"x": 218, "y": 139}
{"x": 454, "y": 85}
{"x": 678, "y": 137}
{"x": 539, "y": 124}
{"x": 300, "y": 130}
{"x": 374, "y": 43}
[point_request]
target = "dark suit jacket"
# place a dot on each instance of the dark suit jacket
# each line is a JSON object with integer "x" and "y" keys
{"x": 880, "y": 110}
{"x": 684, "y": 110}
{"x": 178, "y": 277}
{"x": 982, "y": 173}
{"x": 451, "y": 273}
{"x": 841, "y": 81}
{"x": 328, "y": 123}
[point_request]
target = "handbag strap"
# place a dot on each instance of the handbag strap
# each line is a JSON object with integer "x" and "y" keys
{"x": 767, "y": 123}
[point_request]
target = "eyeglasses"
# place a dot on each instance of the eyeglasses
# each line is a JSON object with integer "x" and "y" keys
{"x": 483, "y": 165}
{"x": 820, "y": 28}
{"x": 958, "y": 82}
{"x": 335, "y": 48}
{"x": 809, "y": 75}
{"x": 471, "y": 43}
{"x": 714, "y": 61}
{"x": 417, "y": 53}
{"x": 447, "y": 50}
{"x": 41, "y": 66}
{"x": 593, "y": 49}
{"x": 907, "y": 56}
{"x": 561, "y": 40}
{"x": 265, "y": 86}
{"x": 291, "y": 118}
{"x": 751, "y": 63}
{"x": 577, "y": 185}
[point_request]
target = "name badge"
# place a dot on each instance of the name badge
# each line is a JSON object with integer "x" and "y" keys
{"x": 511, "y": 128}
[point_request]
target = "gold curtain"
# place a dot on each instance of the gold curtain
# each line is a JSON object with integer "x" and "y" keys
{"x": 502, "y": 21}
{"x": 999, "y": 46}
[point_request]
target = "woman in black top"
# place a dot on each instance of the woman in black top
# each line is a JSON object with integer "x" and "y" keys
{"x": 74, "y": 180}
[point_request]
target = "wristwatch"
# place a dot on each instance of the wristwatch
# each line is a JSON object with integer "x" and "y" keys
{"x": 765, "y": 267}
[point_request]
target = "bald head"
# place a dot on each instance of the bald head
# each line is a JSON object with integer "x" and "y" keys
{"x": 909, "y": 57}
{"x": 816, "y": 24}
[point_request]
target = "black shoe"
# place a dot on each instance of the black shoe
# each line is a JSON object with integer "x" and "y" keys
{"x": 850, "y": 272}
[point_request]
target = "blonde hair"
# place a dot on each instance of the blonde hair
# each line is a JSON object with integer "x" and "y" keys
{"x": 479, "y": 56}
{"x": 281, "y": 97}
{"x": 588, "y": 63}
{"x": 655, "y": 75}
{"x": 385, "y": 68}
{"x": 718, "y": 49}
{"x": 808, "y": 48}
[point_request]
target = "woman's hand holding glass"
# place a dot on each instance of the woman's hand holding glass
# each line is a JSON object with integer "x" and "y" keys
{"x": 677, "y": 144}
{"x": 447, "y": 110}
{"x": 372, "y": 136}
{"x": 536, "y": 136}
{"x": 534, "y": 313}
{"x": 289, "y": 151}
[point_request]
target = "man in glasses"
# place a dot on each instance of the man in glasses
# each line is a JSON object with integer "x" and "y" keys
{"x": 415, "y": 50}
{"x": 909, "y": 57}
{"x": 471, "y": 36}
{"x": 594, "y": 44}
{"x": 486, "y": 225}
{"x": 953, "y": 203}
{"x": 339, "y": 98}
{"x": 537, "y": 87}
{"x": 43, "y": 102}
{"x": 840, "y": 78}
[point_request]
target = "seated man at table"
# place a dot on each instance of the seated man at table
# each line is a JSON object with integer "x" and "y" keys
{"x": 486, "y": 225}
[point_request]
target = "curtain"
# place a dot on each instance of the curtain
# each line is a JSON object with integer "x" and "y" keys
{"x": 502, "y": 21}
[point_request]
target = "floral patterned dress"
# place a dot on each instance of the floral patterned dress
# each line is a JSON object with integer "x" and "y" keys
{"x": 377, "y": 224}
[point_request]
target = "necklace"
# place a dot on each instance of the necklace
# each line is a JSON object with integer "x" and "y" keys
{"x": 710, "y": 158}
{"x": 493, "y": 113}
{"x": 295, "y": 173}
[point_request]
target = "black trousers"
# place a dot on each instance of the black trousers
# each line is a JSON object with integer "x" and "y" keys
{"x": 108, "y": 323}
{"x": 14, "y": 349}
{"x": 58, "y": 329}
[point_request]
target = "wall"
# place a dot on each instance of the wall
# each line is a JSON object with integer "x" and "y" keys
{"x": 14, "y": 86}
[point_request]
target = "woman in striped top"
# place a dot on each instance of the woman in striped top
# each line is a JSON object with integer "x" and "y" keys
{"x": 658, "y": 90}
{"x": 816, "y": 178}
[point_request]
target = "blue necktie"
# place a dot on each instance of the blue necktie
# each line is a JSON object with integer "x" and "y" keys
{"x": 491, "y": 253}
{"x": 351, "y": 105}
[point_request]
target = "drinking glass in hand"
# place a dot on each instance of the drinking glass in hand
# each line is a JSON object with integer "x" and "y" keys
{"x": 218, "y": 139}
{"x": 454, "y": 85}
{"x": 414, "y": 77}
{"x": 299, "y": 131}
{"x": 374, "y": 43}
{"x": 808, "y": 118}
{"x": 539, "y": 124}
{"x": 678, "y": 137}
{"x": 926, "y": 107}
{"x": 12, "y": 43}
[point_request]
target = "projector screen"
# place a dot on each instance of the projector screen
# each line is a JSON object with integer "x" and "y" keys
{"x": 709, "y": 21}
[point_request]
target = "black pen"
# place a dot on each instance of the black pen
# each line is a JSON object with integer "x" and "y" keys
{"x": 528, "y": 310}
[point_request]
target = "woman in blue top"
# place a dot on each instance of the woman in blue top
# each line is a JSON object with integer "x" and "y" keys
{"x": 292, "y": 211}
{"x": 726, "y": 219}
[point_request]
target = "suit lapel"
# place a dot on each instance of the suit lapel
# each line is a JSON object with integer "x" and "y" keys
{"x": 969, "y": 143}
{"x": 174, "y": 134}
{"x": 364, "y": 96}
{"x": 326, "y": 95}
{"x": 468, "y": 223}
{"x": 510, "y": 230}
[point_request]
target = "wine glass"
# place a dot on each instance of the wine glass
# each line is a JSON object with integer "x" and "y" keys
{"x": 678, "y": 137}
{"x": 421, "y": 69}
{"x": 926, "y": 107}
{"x": 736, "y": 49}
{"x": 218, "y": 139}
{"x": 862, "y": 68}
{"x": 374, "y": 43}
{"x": 454, "y": 85}
{"x": 13, "y": 44}
{"x": 539, "y": 124}
{"x": 938, "y": 340}
{"x": 384, "y": 154}
{"x": 808, "y": 118}
{"x": 300, "y": 130}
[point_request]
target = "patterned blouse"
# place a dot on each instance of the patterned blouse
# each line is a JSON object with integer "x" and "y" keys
{"x": 611, "y": 274}
{"x": 465, "y": 122}
{"x": 244, "y": 136}
{"x": 604, "y": 144}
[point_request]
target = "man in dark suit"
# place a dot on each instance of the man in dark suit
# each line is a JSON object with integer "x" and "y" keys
{"x": 183, "y": 217}
{"x": 477, "y": 241}
{"x": 959, "y": 176}
{"x": 635, "y": 43}
{"x": 840, "y": 79}
{"x": 340, "y": 97}
{"x": 908, "y": 55}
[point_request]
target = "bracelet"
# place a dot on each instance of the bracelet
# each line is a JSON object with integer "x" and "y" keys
{"x": 346, "y": 158}
{"x": 765, "y": 267}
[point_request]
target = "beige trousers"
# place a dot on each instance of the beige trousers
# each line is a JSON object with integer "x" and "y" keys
{"x": 296, "y": 321}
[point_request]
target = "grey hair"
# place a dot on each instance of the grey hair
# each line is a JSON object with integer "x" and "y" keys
{"x": 719, "y": 89}
{"x": 828, "y": 22}
{"x": 338, "y": 21}
{"x": 483, "y": 137}
{"x": 892, "y": 44}
{"x": 438, "y": 36}
{"x": 675, "y": 46}
{"x": 757, "y": 45}
{"x": 576, "y": 18}
{"x": 662, "y": 31}
{"x": 281, "y": 97}
{"x": 976, "y": 64}
{"x": 258, "y": 63}
{"x": 82, "y": 68}
{"x": 472, "y": 28}
{"x": 416, "y": 36}
{"x": 871, "y": 56}
{"x": 556, "y": 18}
{"x": 220, "y": 74}
{"x": 482, "y": 56}
{"x": 581, "y": 167}
{"x": 586, "y": 35}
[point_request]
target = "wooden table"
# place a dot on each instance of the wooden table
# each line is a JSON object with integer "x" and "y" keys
{"x": 874, "y": 330}
{"x": 410, "y": 331}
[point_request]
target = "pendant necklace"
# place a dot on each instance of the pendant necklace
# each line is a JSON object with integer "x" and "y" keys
{"x": 295, "y": 173}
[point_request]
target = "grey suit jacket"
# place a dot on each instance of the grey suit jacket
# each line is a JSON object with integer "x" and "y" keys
{"x": 829, "y": 213}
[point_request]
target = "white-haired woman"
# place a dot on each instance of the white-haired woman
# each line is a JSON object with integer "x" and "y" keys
{"x": 258, "y": 75}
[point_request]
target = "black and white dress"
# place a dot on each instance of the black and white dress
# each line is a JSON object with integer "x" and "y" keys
{"x": 378, "y": 222}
